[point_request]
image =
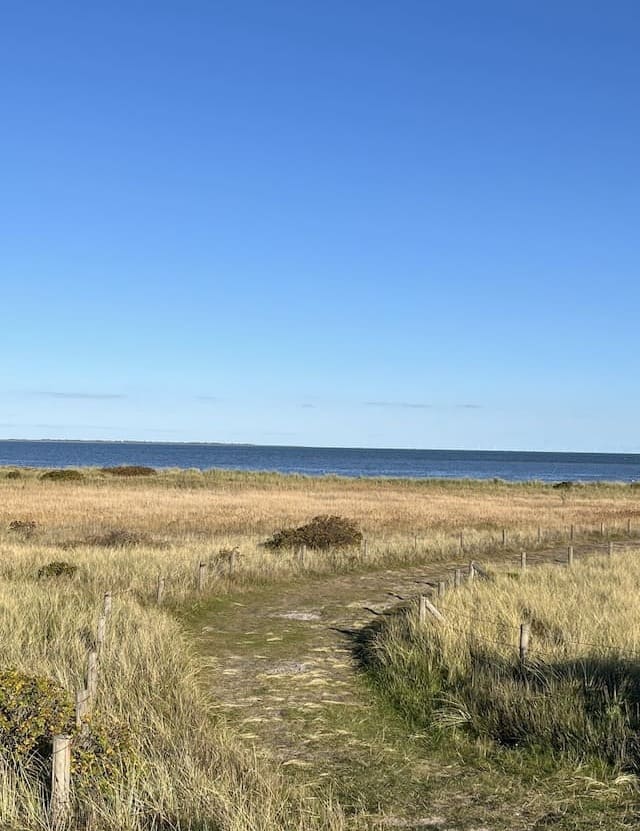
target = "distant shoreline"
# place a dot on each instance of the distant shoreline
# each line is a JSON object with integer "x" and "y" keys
{"x": 328, "y": 447}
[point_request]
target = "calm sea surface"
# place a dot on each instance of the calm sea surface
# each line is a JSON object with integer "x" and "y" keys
{"x": 316, "y": 461}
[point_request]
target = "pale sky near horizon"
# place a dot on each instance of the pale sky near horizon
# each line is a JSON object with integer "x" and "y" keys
{"x": 409, "y": 224}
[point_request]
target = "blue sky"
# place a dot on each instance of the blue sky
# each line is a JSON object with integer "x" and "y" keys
{"x": 409, "y": 224}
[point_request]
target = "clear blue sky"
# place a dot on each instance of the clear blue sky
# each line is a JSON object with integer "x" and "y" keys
{"x": 407, "y": 224}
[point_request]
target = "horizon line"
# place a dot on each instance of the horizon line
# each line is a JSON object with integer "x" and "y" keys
{"x": 324, "y": 447}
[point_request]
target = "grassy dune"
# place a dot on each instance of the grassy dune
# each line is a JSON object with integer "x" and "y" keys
{"x": 180, "y": 518}
{"x": 185, "y": 770}
{"x": 179, "y": 769}
{"x": 577, "y": 695}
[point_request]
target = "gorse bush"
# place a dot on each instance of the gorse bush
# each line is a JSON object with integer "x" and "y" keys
{"x": 129, "y": 470}
{"x": 118, "y": 538}
{"x": 57, "y": 568}
{"x": 26, "y": 527}
{"x": 32, "y": 710}
{"x": 62, "y": 475}
{"x": 323, "y": 532}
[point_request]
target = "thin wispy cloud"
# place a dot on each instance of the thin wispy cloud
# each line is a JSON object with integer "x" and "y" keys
{"x": 417, "y": 405}
{"x": 89, "y": 396}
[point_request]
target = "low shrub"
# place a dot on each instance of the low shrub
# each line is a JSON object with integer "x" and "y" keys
{"x": 118, "y": 538}
{"x": 129, "y": 470}
{"x": 62, "y": 475}
{"x": 33, "y": 709}
{"x": 57, "y": 568}
{"x": 13, "y": 474}
{"x": 323, "y": 532}
{"x": 563, "y": 486}
{"x": 22, "y": 526}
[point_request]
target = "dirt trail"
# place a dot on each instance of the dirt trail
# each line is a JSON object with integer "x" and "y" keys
{"x": 284, "y": 673}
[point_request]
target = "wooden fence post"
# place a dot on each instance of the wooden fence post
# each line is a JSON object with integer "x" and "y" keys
{"x": 525, "y": 631}
{"x": 442, "y": 588}
{"x": 82, "y": 708}
{"x": 92, "y": 675}
{"x": 571, "y": 532}
{"x": 457, "y": 580}
{"x": 202, "y": 573}
{"x": 160, "y": 590}
{"x": 610, "y": 548}
{"x": 472, "y": 571}
{"x": 539, "y": 534}
{"x": 629, "y": 525}
{"x": 523, "y": 560}
{"x": 570, "y": 556}
{"x": 60, "y": 780}
{"x": 422, "y": 609}
{"x": 504, "y": 537}
{"x": 602, "y": 529}
{"x": 461, "y": 541}
{"x": 106, "y": 605}
{"x": 301, "y": 554}
{"x": 102, "y": 628}
{"x": 365, "y": 548}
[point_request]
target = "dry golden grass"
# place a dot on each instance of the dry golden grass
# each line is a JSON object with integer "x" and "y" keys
{"x": 578, "y": 690}
{"x": 186, "y": 517}
{"x": 194, "y": 776}
{"x": 177, "y": 503}
{"x": 184, "y": 771}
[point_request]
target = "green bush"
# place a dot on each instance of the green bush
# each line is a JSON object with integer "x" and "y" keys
{"x": 57, "y": 568}
{"x": 33, "y": 709}
{"x": 129, "y": 470}
{"x": 23, "y": 526}
{"x": 323, "y": 532}
{"x": 118, "y": 538}
{"x": 62, "y": 475}
{"x": 14, "y": 474}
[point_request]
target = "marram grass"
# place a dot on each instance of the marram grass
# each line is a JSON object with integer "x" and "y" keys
{"x": 182, "y": 771}
{"x": 576, "y": 696}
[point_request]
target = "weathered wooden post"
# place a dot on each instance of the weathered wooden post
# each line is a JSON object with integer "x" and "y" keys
{"x": 539, "y": 534}
{"x": 415, "y": 542}
{"x": 461, "y": 541}
{"x": 82, "y": 708}
{"x": 525, "y": 631}
{"x": 92, "y": 675}
{"x": 202, "y": 573}
{"x": 571, "y": 532}
{"x": 523, "y": 560}
{"x": 232, "y": 563}
{"x": 102, "y": 628}
{"x": 472, "y": 571}
{"x": 160, "y": 590}
{"x": 365, "y": 548}
{"x": 629, "y": 525}
{"x": 60, "y": 780}
{"x": 106, "y": 604}
{"x": 602, "y": 529}
{"x": 302, "y": 551}
{"x": 570, "y": 556}
{"x": 457, "y": 580}
{"x": 442, "y": 588}
{"x": 504, "y": 537}
{"x": 610, "y": 548}
{"x": 422, "y": 609}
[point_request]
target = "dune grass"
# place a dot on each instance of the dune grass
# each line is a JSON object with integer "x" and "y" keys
{"x": 173, "y": 521}
{"x": 576, "y": 695}
{"x": 178, "y": 769}
{"x": 183, "y": 769}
